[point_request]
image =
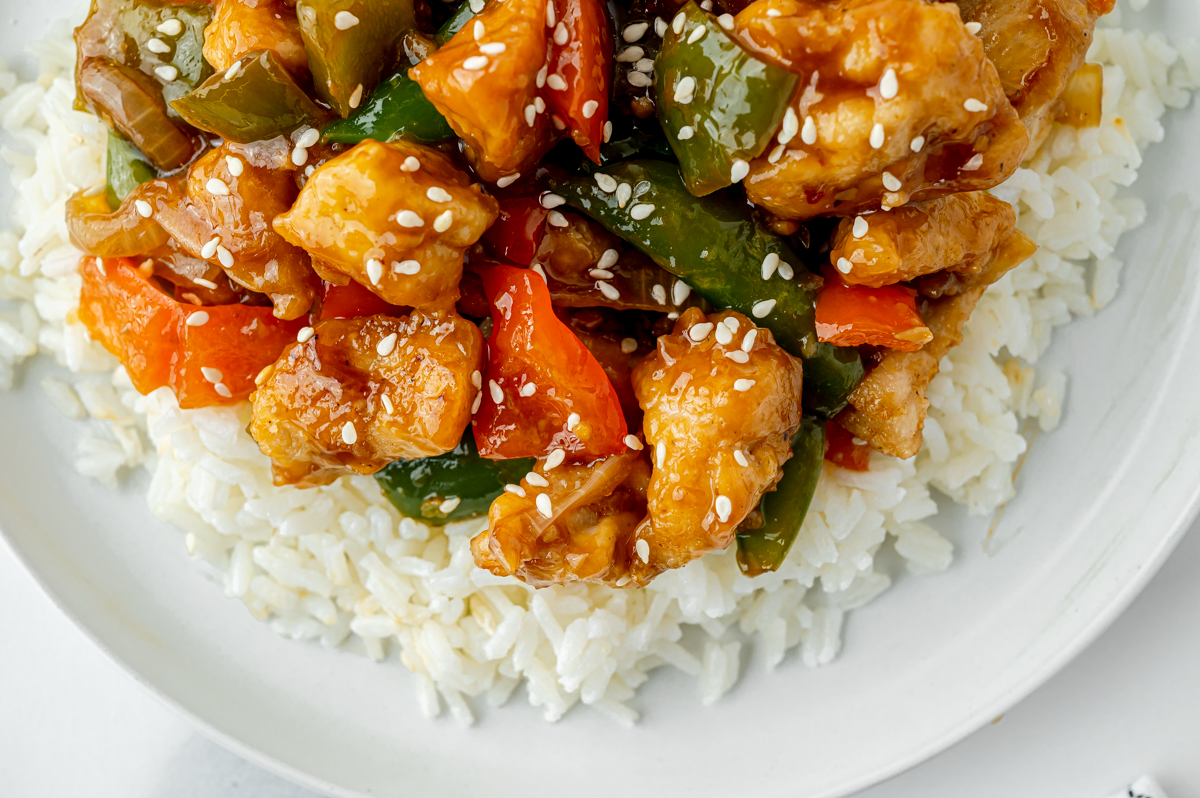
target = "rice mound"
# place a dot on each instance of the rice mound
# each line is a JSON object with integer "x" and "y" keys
{"x": 340, "y": 565}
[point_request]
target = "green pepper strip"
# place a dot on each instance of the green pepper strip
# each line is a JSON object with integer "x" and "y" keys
{"x": 125, "y": 169}
{"x": 733, "y": 110}
{"x": 717, "y": 246}
{"x": 784, "y": 508}
{"x": 260, "y": 101}
{"x": 419, "y": 487}
{"x": 397, "y": 108}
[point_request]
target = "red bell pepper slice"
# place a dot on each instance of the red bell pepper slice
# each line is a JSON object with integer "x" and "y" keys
{"x": 845, "y": 450}
{"x": 585, "y": 63}
{"x": 353, "y": 300}
{"x": 518, "y": 230}
{"x": 854, "y": 315}
{"x": 543, "y": 375}
{"x": 211, "y": 361}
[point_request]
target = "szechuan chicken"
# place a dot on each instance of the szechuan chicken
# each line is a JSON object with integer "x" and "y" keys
{"x": 620, "y": 277}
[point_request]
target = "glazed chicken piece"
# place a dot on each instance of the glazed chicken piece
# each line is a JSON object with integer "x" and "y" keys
{"x": 721, "y": 402}
{"x": 958, "y": 233}
{"x": 395, "y": 218}
{"x": 571, "y": 523}
{"x": 888, "y": 407}
{"x": 488, "y": 97}
{"x": 1036, "y": 45}
{"x": 221, "y": 212}
{"x": 360, "y": 393}
{"x": 897, "y": 102}
{"x": 243, "y": 26}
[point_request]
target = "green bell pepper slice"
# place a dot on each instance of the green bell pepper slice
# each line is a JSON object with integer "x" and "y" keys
{"x": 397, "y": 108}
{"x": 783, "y": 509}
{"x": 461, "y": 16}
{"x": 348, "y": 60}
{"x": 419, "y": 488}
{"x": 734, "y": 105}
{"x": 717, "y": 246}
{"x": 256, "y": 99}
{"x": 125, "y": 169}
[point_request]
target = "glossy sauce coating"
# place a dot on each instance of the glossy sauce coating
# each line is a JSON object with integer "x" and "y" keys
{"x": 242, "y": 26}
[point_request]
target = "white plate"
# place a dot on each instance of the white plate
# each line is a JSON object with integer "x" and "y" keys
{"x": 1102, "y": 502}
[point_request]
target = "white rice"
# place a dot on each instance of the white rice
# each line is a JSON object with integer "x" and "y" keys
{"x": 340, "y": 566}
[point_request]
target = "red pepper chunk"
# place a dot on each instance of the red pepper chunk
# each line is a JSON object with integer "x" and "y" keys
{"x": 543, "y": 374}
{"x": 212, "y": 360}
{"x": 352, "y": 300}
{"x": 584, "y": 62}
{"x": 518, "y": 230}
{"x": 845, "y": 450}
{"x": 854, "y": 315}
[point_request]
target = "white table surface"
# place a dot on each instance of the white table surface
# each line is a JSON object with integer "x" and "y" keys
{"x": 73, "y": 724}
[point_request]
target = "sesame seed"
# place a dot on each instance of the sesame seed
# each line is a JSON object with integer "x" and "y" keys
{"x": 891, "y": 182}
{"x": 629, "y": 345}
{"x": 889, "y": 85}
{"x": 409, "y": 219}
{"x": 660, "y": 27}
{"x": 685, "y": 90}
{"x": 344, "y": 20}
{"x": 407, "y": 267}
{"x": 167, "y": 73}
{"x": 732, "y": 323}
{"x": 600, "y": 274}
{"x": 539, "y": 104}
{"x": 724, "y": 336}
{"x": 973, "y": 28}
{"x": 557, "y": 219}
{"x": 685, "y": 133}
{"x": 589, "y": 109}
{"x": 475, "y": 63}
{"x": 725, "y": 21}
{"x": 476, "y": 378}
{"x": 844, "y": 266}
{"x": 265, "y": 374}
{"x": 861, "y": 226}
{"x": 762, "y": 309}
{"x": 554, "y": 459}
{"x": 560, "y": 34}
{"x": 235, "y": 165}
{"x": 349, "y": 433}
{"x": 917, "y": 144}
{"x": 495, "y": 391}
{"x": 478, "y": 401}
{"x": 356, "y": 96}
{"x": 630, "y": 54}
{"x": 785, "y": 271}
{"x": 638, "y": 79}
{"x": 450, "y": 505}
{"x": 197, "y": 319}
{"x": 308, "y": 138}
{"x": 550, "y": 17}
{"x": 374, "y": 271}
{"x": 877, "y": 136}
{"x": 973, "y": 164}
{"x": 410, "y": 164}
{"x": 543, "y": 505}
{"x": 699, "y": 332}
{"x": 748, "y": 341}
{"x": 305, "y": 334}
{"x": 478, "y": 30}
{"x": 740, "y": 457}
{"x": 659, "y": 294}
{"x": 808, "y": 133}
{"x": 172, "y": 27}
{"x": 443, "y": 220}
{"x": 769, "y": 265}
{"x": 530, "y": 115}
{"x": 528, "y": 389}
{"x": 706, "y": 5}
{"x": 608, "y": 259}
{"x": 724, "y": 508}
{"x": 493, "y": 48}
{"x": 632, "y": 442}
{"x": 776, "y": 154}
{"x": 541, "y": 78}
{"x": 537, "y": 268}
{"x": 205, "y": 283}
{"x": 299, "y": 155}
{"x": 550, "y": 200}
{"x": 143, "y": 208}
{"x": 388, "y": 407}
{"x": 508, "y": 180}
{"x": 210, "y": 374}
{"x": 774, "y": 12}
{"x": 738, "y": 356}
{"x": 217, "y": 187}
{"x": 225, "y": 257}
{"x": 660, "y": 453}
{"x": 697, "y": 34}
{"x": 624, "y": 192}
{"x": 643, "y": 549}
{"x": 635, "y": 31}
{"x": 606, "y": 182}
{"x": 678, "y": 23}
{"x": 223, "y": 390}
{"x": 438, "y": 194}
{"x": 573, "y": 422}
{"x": 974, "y": 106}
{"x": 743, "y": 385}
{"x": 790, "y": 127}
{"x": 158, "y": 46}
{"x": 680, "y": 291}
{"x": 515, "y": 490}
{"x": 233, "y": 71}
{"x": 739, "y": 170}
{"x": 386, "y": 344}
{"x": 640, "y": 211}
{"x": 609, "y": 290}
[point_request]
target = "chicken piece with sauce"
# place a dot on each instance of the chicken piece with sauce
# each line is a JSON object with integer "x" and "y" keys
{"x": 959, "y": 233}
{"x": 395, "y": 218}
{"x": 239, "y": 27}
{"x": 721, "y": 402}
{"x": 353, "y": 395}
{"x": 897, "y": 102}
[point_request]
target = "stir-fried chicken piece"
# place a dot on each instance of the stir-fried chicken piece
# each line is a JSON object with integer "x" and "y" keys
{"x": 222, "y": 213}
{"x": 359, "y": 393}
{"x": 490, "y": 98}
{"x": 1036, "y": 45}
{"x": 242, "y": 26}
{"x": 721, "y": 402}
{"x": 897, "y": 102}
{"x": 571, "y": 523}
{"x": 395, "y": 218}
{"x": 888, "y": 407}
{"x": 958, "y": 233}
